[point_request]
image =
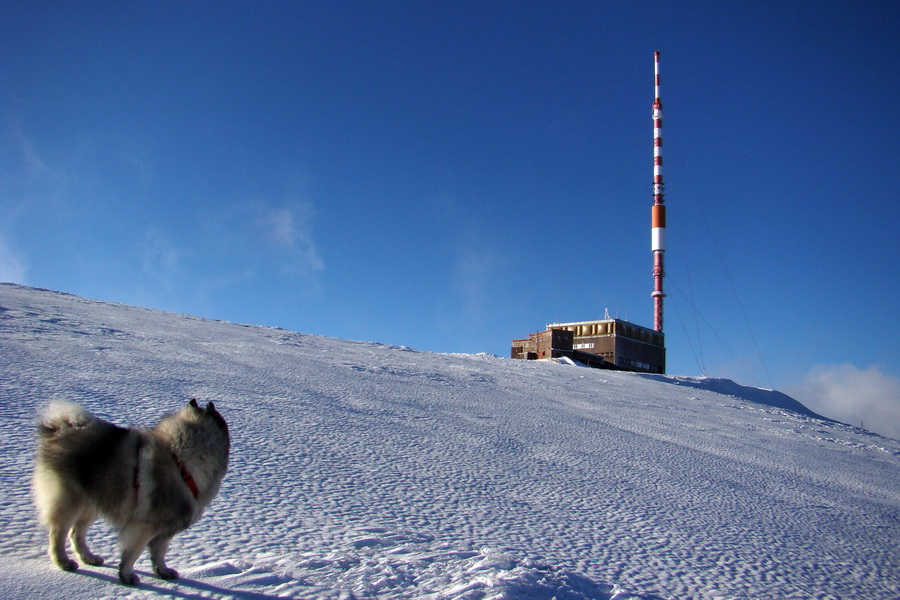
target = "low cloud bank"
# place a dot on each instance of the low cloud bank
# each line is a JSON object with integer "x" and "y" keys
{"x": 847, "y": 393}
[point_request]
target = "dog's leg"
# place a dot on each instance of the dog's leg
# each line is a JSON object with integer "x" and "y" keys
{"x": 58, "y": 534}
{"x": 60, "y": 520}
{"x": 59, "y": 508}
{"x": 78, "y": 536}
{"x": 158, "y": 548}
{"x": 133, "y": 543}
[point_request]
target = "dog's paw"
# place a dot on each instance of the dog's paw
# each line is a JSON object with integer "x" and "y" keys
{"x": 166, "y": 573}
{"x": 129, "y": 578}
{"x": 67, "y": 565}
{"x": 93, "y": 560}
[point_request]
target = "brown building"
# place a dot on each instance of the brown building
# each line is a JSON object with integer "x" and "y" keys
{"x": 542, "y": 344}
{"x": 607, "y": 344}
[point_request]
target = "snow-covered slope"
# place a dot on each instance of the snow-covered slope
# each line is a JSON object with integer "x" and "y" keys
{"x": 361, "y": 470}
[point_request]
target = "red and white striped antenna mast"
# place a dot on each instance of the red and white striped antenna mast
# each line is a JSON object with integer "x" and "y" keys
{"x": 658, "y": 215}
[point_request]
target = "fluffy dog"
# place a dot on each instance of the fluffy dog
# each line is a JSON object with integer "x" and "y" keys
{"x": 149, "y": 484}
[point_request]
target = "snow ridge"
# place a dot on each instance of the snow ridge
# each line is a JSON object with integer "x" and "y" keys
{"x": 361, "y": 470}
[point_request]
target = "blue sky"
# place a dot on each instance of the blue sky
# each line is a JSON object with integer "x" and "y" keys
{"x": 452, "y": 175}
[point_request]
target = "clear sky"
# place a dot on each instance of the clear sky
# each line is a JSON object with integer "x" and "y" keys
{"x": 451, "y": 175}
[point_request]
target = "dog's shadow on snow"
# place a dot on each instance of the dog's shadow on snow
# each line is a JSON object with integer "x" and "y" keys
{"x": 203, "y": 589}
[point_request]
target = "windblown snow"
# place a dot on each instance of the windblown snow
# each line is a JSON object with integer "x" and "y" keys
{"x": 360, "y": 470}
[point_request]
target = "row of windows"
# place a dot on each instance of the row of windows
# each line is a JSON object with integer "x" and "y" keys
{"x": 636, "y": 364}
{"x": 641, "y": 334}
{"x": 612, "y": 328}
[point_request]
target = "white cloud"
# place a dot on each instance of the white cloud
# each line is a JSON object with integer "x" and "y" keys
{"x": 12, "y": 266}
{"x": 290, "y": 230}
{"x": 282, "y": 226}
{"x": 852, "y": 395}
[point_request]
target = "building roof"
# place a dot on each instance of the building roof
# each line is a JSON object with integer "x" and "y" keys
{"x": 596, "y": 321}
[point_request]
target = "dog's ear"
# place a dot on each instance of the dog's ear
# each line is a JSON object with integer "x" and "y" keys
{"x": 193, "y": 403}
{"x": 215, "y": 416}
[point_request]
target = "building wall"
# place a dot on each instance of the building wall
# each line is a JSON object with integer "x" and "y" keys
{"x": 519, "y": 349}
{"x": 542, "y": 344}
{"x": 625, "y": 352}
{"x": 632, "y": 354}
{"x": 616, "y": 327}
{"x": 616, "y": 343}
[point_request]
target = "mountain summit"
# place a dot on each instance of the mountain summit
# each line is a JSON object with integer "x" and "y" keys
{"x": 360, "y": 470}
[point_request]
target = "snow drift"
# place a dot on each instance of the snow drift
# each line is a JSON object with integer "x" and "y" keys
{"x": 361, "y": 470}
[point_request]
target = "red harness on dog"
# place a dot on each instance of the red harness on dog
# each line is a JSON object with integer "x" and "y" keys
{"x": 188, "y": 479}
{"x": 185, "y": 475}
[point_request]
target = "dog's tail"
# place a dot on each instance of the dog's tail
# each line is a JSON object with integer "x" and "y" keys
{"x": 61, "y": 416}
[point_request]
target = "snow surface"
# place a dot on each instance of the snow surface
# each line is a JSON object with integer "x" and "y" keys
{"x": 361, "y": 470}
